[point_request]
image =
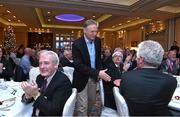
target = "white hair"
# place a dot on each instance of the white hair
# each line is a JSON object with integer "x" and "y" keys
{"x": 54, "y": 56}
{"x": 117, "y": 53}
{"x": 151, "y": 51}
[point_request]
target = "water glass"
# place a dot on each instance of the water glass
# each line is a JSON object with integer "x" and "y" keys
{"x": 3, "y": 85}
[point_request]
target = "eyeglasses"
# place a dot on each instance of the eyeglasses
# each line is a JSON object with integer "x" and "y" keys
{"x": 177, "y": 97}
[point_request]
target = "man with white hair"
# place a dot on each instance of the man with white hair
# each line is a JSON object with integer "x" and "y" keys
{"x": 51, "y": 89}
{"x": 146, "y": 90}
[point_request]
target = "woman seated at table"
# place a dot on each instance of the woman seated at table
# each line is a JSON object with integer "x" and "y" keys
{"x": 5, "y": 67}
{"x": 114, "y": 69}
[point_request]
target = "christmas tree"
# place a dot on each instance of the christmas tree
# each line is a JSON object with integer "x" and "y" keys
{"x": 9, "y": 38}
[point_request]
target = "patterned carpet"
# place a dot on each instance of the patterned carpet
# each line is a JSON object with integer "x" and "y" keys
{"x": 98, "y": 106}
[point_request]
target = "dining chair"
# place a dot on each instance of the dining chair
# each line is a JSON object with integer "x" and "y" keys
{"x": 105, "y": 111}
{"x": 69, "y": 106}
{"x": 101, "y": 90}
{"x": 33, "y": 73}
{"x": 121, "y": 104}
{"x": 69, "y": 72}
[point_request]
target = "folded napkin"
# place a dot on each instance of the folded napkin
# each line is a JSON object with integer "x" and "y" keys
{"x": 6, "y": 95}
{"x": 7, "y": 103}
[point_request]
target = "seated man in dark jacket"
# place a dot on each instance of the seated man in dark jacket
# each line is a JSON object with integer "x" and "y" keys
{"x": 51, "y": 89}
{"x": 146, "y": 90}
{"x": 67, "y": 60}
{"x": 6, "y": 70}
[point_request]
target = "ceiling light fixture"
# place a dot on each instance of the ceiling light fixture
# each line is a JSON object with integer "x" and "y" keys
{"x": 14, "y": 16}
{"x": 1, "y": 5}
{"x": 49, "y": 20}
{"x": 69, "y": 17}
{"x": 8, "y": 11}
{"x": 19, "y": 20}
{"x": 120, "y": 24}
{"x": 128, "y": 21}
{"x": 48, "y": 12}
{"x": 9, "y": 20}
{"x": 138, "y": 18}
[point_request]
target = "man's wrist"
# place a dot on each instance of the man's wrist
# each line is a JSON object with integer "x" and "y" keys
{"x": 35, "y": 97}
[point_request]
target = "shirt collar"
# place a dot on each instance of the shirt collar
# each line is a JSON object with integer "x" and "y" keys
{"x": 88, "y": 40}
{"x": 50, "y": 78}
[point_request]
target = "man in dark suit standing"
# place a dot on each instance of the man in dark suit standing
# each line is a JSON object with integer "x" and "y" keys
{"x": 51, "y": 89}
{"x": 146, "y": 90}
{"x": 87, "y": 62}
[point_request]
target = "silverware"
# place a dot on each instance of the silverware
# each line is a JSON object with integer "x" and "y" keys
{"x": 5, "y": 109}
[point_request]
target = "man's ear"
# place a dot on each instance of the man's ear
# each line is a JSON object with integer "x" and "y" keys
{"x": 141, "y": 60}
{"x": 56, "y": 66}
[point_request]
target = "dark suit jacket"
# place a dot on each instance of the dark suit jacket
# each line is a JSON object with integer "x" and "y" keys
{"x": 115, "y": 74}
{"x": 65, "y": 62}
{"x": 82, "y": 63}
{"x": 7, "y": 71}
{"x": 51, "y": 103}
{"x": 147, "y": 91}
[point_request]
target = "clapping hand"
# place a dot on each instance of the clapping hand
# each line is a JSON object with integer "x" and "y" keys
{"x": 30, "y": 89}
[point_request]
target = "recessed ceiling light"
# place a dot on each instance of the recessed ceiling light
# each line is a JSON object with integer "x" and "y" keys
{"x": 8, "y": 11}
{"x": 14, "y": 16}
{"x": 9, "y": 20}
{"x": 49, "y": 20}
{"x": 48, "y": 12}
{"x": 93, "y": 16}
{"x": 158, "y": 21}
{"x": 137, "y": 17}
{"x": 128, "y": 21}
{"x": 19, "y": 20}
{"x": 72, "y": 31}
{"x": 120, "y": 24}
{"x": 69, "y": 17}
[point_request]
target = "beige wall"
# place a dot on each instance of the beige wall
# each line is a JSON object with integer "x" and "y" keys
{"x": 21, "y": 38}
{"x": 108, "y": 39}
{"x": 177, "y": 31}
{"x": 1, "y": 36}
{"x": 133, "y": 35}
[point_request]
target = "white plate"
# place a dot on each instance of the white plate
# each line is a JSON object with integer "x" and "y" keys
{"x": 7, "y": 103}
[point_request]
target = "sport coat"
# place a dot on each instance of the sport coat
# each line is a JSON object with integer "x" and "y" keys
{"x": 147, "y": 91}
{"x": 52, "y": 101}
{"x": 82, "y": 64}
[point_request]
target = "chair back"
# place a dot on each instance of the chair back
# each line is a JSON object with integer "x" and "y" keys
{"x": 69, "y": 72}
{"x": 121, "y": 104}
{"x": 19, "y": 75}
{"x": 101, "y": 89}
{"x": 69, "y": 106}
{"x": 33, "y": 73}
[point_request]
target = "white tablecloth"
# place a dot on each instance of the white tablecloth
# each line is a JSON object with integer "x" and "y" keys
{"x": 19, "y": 109}
{"x": 174, "y": 103}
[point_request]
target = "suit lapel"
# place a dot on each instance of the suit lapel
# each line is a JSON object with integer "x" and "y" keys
{"x": 51, "y": 84}
{"x": 85, "y": 50}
